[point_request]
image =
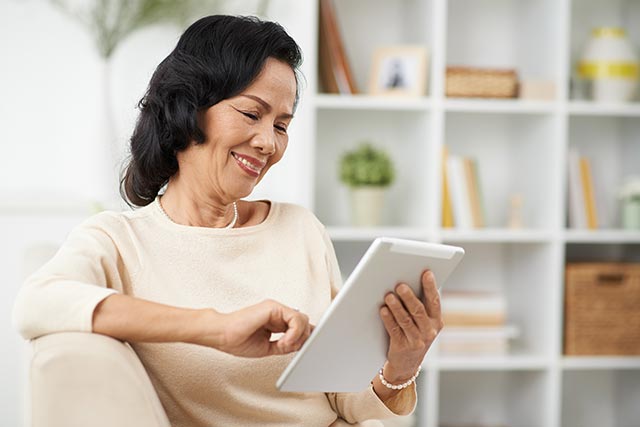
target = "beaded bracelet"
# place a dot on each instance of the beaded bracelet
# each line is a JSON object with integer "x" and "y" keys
{"x": 399, "y": 386}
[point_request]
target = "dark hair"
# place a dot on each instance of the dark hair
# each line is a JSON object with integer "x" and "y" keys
{"x": 216, "y": 58}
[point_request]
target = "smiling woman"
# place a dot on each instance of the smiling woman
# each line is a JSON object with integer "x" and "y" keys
{"x": 199, "y": 280}
{"x": 244, "y": 136}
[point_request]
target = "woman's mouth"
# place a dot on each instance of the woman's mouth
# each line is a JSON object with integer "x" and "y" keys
{"x": 250, "y": 165}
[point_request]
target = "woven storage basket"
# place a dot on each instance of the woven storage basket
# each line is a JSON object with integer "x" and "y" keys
{"x": 602, "y": 309}
{"x": 481, "y": 83}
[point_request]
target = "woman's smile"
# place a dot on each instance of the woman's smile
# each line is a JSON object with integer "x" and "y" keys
{"x": 250, "y": 165}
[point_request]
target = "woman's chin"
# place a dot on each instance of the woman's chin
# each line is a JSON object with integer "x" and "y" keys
{"x": 242, "y": 193}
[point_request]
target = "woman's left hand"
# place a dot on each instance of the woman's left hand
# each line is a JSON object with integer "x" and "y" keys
{"x": 412, "y": 325}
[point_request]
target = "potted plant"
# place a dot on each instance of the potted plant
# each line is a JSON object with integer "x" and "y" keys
{"x": 630, "y": 196}
{"x": 368, "y": 171}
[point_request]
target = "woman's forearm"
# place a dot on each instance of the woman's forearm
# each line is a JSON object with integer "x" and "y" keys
{"x": 136, "y": 320}
{"x": 246, "y": 332}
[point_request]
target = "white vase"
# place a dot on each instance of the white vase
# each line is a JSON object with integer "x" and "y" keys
{"x": 610, "y": 64}
{"x": 631, "y": 214}
{"x": 367, "y": 205}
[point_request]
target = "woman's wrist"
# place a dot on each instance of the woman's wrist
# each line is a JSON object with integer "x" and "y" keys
{"x": 207, "y": 328}
{"x": 398, "y": 375}
{"x": 397, "y": 386}
{"x": 393, "y": 376}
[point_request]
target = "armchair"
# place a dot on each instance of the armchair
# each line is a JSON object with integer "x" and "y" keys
{"x": 79, "y": 379}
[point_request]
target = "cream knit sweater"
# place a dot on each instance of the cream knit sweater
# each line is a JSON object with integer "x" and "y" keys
{"x": 288, "y": 258}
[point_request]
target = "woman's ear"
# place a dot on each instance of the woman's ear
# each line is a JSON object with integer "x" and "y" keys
{"x": 200, "y": 117}
{"x": 201, "y": 120}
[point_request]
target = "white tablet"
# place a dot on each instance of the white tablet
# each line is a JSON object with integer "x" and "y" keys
{"x": 349, "y": 344}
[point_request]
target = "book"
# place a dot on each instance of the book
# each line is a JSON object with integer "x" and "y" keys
{"x": 473, "y": 186}
{"x": 334, "y": 68}
{"x": 472, "y": 308}
{"x": 459, "y": 192}
{"x": 577, "y": 211}
{"x": 589, "y": 196}
{"x": 473, "y": 319}
{"x": 447, "y": 209}
{"x": 327, "y": 78}
{"x": 477, "y": 341}
{"x": 482, "y": 213}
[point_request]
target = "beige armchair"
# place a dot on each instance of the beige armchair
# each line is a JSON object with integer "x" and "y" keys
{"x": 81, "y": 379}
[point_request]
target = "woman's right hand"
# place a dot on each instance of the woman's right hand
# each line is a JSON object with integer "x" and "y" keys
{"x": 247, "y": 332}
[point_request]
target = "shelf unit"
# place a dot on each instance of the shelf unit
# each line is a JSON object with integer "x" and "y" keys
{"x": 521, "y": 147}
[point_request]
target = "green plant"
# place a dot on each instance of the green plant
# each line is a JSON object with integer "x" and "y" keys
{"x": 366, "y": 166}
{"x": 111, "y": 21}
{"x": 631, "y": 189}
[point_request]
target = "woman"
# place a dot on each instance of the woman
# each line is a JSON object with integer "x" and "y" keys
{"x": 197, "y": 279}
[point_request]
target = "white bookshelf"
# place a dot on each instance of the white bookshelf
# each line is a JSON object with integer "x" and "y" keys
{"x": 521, "y": 147}
{"x": 366, "y": 102}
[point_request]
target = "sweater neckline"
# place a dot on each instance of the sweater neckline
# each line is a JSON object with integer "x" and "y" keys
{"x": 166, "y": 222}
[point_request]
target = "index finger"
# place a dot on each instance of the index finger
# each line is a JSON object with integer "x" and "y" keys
{"x": 297, "y": 324}
{"x": 431, "y": 295}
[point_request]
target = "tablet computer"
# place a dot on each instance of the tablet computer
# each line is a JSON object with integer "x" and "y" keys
{"x": 349, "y": 344}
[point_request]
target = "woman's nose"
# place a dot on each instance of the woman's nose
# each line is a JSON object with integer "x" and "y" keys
{"x": 265, "y": 141}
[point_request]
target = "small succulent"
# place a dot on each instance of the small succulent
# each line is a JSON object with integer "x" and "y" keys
{"x": 366, "y": 166}
{"x": 630, "y": 190}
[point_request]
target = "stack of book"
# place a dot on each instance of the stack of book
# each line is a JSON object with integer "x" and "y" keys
{"x": 583, "y": 212}
{"x": 475, "y": 324}
{"x": 462, "y": 204}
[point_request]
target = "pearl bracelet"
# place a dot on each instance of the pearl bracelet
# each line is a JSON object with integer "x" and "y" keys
{"x": 399, "y": 386}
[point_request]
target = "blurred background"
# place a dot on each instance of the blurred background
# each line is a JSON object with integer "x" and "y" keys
{"x": 67, "y": 113}
{"x": 508, "y": 127}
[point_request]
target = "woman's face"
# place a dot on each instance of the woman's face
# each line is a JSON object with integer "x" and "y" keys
{"x": 246, "y": 135}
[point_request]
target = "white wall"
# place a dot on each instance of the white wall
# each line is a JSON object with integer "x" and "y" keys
{"x": 52, "y": 107}
{"x": 53, "y": 138}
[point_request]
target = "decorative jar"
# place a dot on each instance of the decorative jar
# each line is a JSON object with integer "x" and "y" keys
{"x": 611, "y": 66}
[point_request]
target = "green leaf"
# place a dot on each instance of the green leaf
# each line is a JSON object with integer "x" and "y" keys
{"x": 366, "y": 166}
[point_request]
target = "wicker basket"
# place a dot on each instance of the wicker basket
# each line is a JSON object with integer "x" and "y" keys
{"x": 602, "y": 309}
{"x": 481, "y": 83}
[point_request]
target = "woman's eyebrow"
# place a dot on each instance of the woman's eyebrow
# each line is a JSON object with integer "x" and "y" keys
{"x": 266, "y": 105}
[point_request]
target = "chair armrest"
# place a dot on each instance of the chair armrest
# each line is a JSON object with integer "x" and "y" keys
{"x": 80, "y": 379}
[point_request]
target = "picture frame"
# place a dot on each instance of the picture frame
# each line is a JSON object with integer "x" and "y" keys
{"x": 400, "y": 70}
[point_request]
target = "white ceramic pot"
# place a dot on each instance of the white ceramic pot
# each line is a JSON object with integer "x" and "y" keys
{"x": 611, "y": 65}
{"x": 631, "y": 214}
{"x": 367, "y": 204}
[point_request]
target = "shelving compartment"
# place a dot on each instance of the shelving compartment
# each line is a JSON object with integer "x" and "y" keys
{"x": 603, "y": 252}
{"x": 521, "y": 272}
{"x": 404, "y": 137}
{"x": 501, "y": 398}
{"x": 381, "y": 23}
{"x": 612, "y": 145}
{"x": 505, "y": 34}
{"x": 600, "y": 398}
{"x": 599, "y": 320}
{"x": 589, "y": 14}
{"x": 515, "y": 156}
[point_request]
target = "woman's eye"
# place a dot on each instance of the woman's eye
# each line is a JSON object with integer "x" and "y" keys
{"x": 250, "y": 115}
{"x": 281, "y": 129}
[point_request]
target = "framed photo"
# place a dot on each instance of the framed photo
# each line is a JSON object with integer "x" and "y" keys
{"x": 399, "y": 71}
